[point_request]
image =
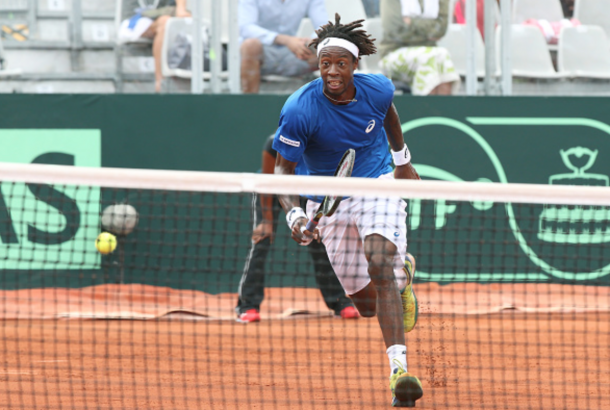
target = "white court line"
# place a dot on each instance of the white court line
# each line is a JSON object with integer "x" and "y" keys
{"x": 14, "y": 372}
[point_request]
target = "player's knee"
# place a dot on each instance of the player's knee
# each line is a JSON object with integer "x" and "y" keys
{"x": 380, "y": 269}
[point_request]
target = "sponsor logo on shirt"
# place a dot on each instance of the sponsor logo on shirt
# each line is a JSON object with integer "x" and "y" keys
{"x": 290, "y": 142}
{"x": 371, "y": 126}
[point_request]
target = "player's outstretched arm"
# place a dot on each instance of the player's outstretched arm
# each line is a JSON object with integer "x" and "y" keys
{"x": 400, "y": 152}
{"x": 295, "y": 215}
{"x": 265, "y": 228}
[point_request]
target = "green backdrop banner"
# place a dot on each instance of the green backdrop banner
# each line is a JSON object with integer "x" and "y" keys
{"x": 525, "y": 140}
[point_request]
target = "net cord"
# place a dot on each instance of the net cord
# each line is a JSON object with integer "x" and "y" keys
{"x": 199, "y": 181}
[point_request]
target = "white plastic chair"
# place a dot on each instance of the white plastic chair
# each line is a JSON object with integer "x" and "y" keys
{"x": 584, "y": 52}
{"x": 530, "y": 55}
{"x": 370, "y": 64}
{"x": 174, "y": 27}
{"x": 455, "y": 41}
{"x": 305, "y": 28}
{"x": 537, "y": 9}
{"x": 593, "y": 13}
{"x": 349, "y": 10}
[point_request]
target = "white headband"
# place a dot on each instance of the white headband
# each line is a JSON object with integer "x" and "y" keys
{"x": 338, "y": 42}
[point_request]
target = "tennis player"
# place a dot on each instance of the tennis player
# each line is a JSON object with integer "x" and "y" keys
{"x": 366, "y": 237}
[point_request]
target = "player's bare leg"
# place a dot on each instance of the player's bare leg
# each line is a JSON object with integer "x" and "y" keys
{"x": 383, "y": 296}
{"x": 380, "y": 253}
{"x": 366, "y": 301}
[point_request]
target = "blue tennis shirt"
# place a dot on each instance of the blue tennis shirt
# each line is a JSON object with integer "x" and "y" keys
{"x": 313, "y": 129}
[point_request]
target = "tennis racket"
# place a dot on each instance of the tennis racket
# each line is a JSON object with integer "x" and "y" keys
{"x": 330, "y": 203}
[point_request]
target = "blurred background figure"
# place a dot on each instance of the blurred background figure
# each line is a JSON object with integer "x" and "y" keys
{"x": 266, "y": 210}
{"x": 155, "y": 19}
{"x": 268, "y": 30}
{"x": 410, "y": 54}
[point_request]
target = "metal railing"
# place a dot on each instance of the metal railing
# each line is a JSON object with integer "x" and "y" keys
{"x": 506, "y": 80}
{"x": 216, "y": 47}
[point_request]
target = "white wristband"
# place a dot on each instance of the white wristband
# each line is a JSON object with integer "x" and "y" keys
{"x": 294, "y": 214}
{"x": 402, "y": 157}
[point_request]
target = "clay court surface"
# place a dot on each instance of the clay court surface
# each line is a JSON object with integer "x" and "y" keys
{"x": 508, "y": 360}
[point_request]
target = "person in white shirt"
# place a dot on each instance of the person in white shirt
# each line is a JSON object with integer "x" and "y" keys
{"x": 269, "y": 45}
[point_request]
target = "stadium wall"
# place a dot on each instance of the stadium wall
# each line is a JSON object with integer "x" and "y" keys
{"x": 525, "y": 140}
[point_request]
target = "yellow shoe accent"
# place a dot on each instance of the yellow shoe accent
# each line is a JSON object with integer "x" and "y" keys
{"x": 410, "y": 309}
{"x": 406, "y": 388}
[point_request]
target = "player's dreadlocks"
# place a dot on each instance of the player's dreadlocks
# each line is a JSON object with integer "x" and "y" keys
{"x": 360, "y": 38}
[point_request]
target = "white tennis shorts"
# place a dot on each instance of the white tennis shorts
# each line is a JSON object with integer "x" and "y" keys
{"x": 344, "y": 232}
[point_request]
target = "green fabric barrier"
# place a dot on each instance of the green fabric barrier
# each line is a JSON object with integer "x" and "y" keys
{"x": 525, "y": 140}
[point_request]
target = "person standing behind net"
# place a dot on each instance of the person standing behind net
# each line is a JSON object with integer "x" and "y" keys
{"x": 269, "y": 46}
{"x": 411, "y": 29}
{"x": 366, "y": 237}
{"x": 252, "y": 285}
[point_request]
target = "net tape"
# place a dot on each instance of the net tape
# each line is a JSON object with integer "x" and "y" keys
{"x": 294, "y": 185}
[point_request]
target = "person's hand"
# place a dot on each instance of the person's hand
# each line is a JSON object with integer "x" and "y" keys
{"x": 406, "y": 172}
{"x": 299, "y": 47}
{"x": 262, "y": 231}
{"x": 301, "y": 235}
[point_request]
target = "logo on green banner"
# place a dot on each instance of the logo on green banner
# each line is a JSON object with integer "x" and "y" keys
{"x": 576, "y": 224}
{"x": 504, "y": 241}
{"x": 49, "y": 226}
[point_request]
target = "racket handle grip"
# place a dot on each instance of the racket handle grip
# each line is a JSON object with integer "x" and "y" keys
{"x": 311, "y": 225}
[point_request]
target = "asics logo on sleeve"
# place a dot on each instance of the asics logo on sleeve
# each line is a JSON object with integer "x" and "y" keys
{"x": 371, "y": 126}
{"x": 290, "y": 142}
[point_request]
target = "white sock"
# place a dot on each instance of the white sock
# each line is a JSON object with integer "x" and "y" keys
{"x": 398, "y": 356}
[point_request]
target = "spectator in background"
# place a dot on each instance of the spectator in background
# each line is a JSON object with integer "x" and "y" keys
{"x": 156, "y": 31}
{"x": 568, "y": 8}
{"x": 269, "y": 45}
{"x": 266, "y": 210}
{"x": 408, "y": 49}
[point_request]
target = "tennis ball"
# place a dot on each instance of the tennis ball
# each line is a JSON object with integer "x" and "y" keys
{"x": 120, "y": 219}
{"x": 105, "y": 243}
